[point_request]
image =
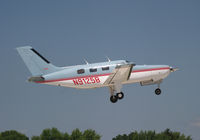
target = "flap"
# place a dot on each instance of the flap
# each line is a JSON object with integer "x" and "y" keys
{"x": 120, "y": 74}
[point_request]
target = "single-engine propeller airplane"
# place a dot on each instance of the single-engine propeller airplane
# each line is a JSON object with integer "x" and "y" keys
{"x": 112, "y": 74}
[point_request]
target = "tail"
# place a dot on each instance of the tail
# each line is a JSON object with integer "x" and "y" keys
{"x": 36, "y": 63}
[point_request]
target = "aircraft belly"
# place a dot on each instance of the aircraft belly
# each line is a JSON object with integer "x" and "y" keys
{"x": 147, "y": 75}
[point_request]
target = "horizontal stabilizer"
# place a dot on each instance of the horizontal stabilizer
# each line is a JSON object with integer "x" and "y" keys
{"x": 36, "y": 79}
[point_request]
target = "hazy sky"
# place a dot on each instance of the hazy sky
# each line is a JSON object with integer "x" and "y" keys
{"x": 66, "y": 32}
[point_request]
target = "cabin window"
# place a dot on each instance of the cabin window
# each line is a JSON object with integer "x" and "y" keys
{"x": 93, "y": 70}
{"x": 80, "y": 71}
{"x": 105, "y": 68}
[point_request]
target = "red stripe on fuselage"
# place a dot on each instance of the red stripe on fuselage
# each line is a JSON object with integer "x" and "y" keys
{"x": 71, "y": 78}
{"x": 143, "y": 70}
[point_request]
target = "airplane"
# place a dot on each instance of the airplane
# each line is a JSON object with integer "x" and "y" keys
{"x": 112, "y": 74}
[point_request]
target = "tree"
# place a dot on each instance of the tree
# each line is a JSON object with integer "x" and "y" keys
{"x": 76, "y": 135}
{"x": 54, "y": 134}
{"x": 66, "y": 136}
{"x": 152, "y": 135}
{"x": 12, "y": 135}
{"x": 90, "y": 135}
{"x": 51, "y": 134}
{"x": 35, "y": 138}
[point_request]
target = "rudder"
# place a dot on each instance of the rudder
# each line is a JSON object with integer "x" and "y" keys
{"x": 36, "y": 63}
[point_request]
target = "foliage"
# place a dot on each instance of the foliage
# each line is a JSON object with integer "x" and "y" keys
{"x": 90, "y": 135}
{"x": 152, "y": 135}
{"x": 12, "y": 135}
{"x": 51, "y": 134}
{"x": 76, "y": 135}
{"x": 35, "y": 138}
{"x": 66, "y": 136}
{"x": 55, "y": 134}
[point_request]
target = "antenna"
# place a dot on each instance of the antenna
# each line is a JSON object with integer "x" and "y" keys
{"x": 108, "y": 58}
{"x": 86, "y": 61}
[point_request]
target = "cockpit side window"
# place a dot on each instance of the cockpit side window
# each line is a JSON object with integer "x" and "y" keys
{"x": 105, "y": 68}
{"x": 80, "y": 71}
{"x": 93, "y": 70}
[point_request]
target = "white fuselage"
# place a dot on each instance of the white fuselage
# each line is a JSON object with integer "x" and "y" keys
{"x": 97, "y": 80}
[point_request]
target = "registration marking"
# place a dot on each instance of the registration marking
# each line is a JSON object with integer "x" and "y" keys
{"x": 86, "y": 81}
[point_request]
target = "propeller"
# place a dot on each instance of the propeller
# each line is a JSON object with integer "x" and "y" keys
{"x": 173, "y": 69}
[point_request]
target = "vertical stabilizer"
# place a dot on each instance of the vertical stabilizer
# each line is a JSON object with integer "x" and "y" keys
{"x": 36, "y": 63}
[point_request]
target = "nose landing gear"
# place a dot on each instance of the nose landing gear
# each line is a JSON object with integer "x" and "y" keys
{"x": 158, "y": 91}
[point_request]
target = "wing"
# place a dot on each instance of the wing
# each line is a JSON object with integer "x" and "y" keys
{"x": 120, "y": 74}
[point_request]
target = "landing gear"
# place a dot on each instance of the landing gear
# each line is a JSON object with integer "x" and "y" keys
{"x": 115, "y": 93}
{"x": 120, "y": 95}
{"x": 158, "y": 91}
{"x": 113, "y": 98}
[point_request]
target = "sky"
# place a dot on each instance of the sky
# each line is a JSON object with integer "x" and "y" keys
{"x": 67, "y": 32}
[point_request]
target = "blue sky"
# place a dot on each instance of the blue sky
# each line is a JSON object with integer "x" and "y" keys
{"x": 66, "y": 32}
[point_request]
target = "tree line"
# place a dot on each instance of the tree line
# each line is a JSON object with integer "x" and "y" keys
{"x": 52, "y": 134}
{"x": 89, "y": 134}
{"x": 152, "y": 135}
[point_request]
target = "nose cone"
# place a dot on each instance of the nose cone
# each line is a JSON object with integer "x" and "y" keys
{"x": 173, "y": 69}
